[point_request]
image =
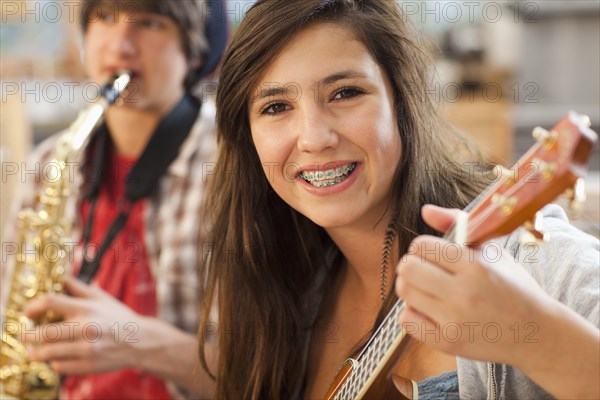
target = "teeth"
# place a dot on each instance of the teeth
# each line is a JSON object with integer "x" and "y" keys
{"x": 332, "y": 182}
{"x": 328, "y": 177}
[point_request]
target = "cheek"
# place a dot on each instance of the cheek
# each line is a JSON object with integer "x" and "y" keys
{"x": 169, "y": 59}
{"x": 393, "y": 153}
{"x": 267, "y": 153}
{"x": 273, "y": 156}
{"x": 269, "y": 146}
{"x": 174, "y": 57}
{"x": 269, "y": 165}
{"x": 91, "y": 56}
{"x": 388, "y": 147}
{"x": 395, "y": 147}
{"x": 177, "y": 75}
{"x": 388, "y": 135}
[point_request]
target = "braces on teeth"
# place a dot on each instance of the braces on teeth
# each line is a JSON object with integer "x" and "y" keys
{"x": 329, "y": 177}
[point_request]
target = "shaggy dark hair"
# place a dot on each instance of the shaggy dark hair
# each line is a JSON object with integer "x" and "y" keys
{"x": 189, "y": 15}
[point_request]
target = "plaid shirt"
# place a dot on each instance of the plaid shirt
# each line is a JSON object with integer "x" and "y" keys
{"x": 172, "y": 219}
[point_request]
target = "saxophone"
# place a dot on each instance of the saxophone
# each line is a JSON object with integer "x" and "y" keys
{"x": 41, "y": 269}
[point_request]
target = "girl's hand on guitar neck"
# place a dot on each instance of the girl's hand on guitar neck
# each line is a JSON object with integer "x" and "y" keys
{"x": 461, "y": 303}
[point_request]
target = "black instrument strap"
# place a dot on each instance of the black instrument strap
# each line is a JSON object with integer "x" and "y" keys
{"x": 162, "y": 148}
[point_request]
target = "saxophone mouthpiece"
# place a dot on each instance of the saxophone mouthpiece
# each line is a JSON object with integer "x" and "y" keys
{"x": 113, "y": 89}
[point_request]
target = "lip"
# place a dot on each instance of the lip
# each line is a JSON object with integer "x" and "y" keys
{"x": 113, "y": 70}
{"x": 329, "y": 190}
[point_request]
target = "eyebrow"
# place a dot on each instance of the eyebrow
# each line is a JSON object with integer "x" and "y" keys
{"x": 273, "y": 91}
{"x": 338, "y": 76}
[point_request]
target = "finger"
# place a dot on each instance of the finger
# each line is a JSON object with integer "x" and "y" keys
{"x": 439, "y": 218}
{"x": 77, "y": 288}
{"x": 77, "y": 366}
{"x": 52, "y": 333}
{"x": 417, "y": 324}
{"x": 59, "y": 303}
{"x": 413, "y": 322}
{"x": 440, "y": 252}
{"x": 417, "y": 272}
{"x": 427, "y": 305}
{"x": 61, "y": 351}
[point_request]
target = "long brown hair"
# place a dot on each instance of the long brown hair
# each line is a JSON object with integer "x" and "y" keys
{"x": 263, "y": 253}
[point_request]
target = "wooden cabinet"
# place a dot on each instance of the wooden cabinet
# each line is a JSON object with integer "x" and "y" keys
{"x": 488, "y": 123}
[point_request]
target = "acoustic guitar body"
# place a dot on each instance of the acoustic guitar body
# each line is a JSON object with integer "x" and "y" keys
{"x": 381, "y": 386}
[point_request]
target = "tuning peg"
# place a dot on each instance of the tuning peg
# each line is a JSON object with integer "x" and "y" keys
{"x": 508, "y": 175}
{"x": 533, "y": 233}
{"x": 585, "y": 119}
{"x": 548, "y": 139}
{"x": 547, "y": 170}
{"x": 576, "y": 195}
{"x": 506, "y": 204}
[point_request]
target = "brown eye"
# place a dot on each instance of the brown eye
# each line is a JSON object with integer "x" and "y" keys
{"x": 107, "y": 17}
{"x": 347, "y": 93}
{"x": 151, "y": 23}
{"x": 275, "y": 108}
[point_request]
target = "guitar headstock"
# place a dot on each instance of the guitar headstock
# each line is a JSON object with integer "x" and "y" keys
{"x": 552, "y": 166}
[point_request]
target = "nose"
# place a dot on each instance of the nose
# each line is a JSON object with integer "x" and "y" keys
{"x": 317, "y": 132}
{"x": 122, "y": 38}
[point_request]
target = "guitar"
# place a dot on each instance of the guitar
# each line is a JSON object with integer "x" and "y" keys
{"x": 555, "y": 164}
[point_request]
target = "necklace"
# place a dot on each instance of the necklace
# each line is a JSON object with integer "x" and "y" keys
{"x": 390, "y": 236}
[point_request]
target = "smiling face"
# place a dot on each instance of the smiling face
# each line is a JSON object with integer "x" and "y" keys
{"x": 323, "y": 123}
{"x": 147, "y": 44}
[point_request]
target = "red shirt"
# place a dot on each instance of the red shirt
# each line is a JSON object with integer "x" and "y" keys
{"x": 124, "y": 273}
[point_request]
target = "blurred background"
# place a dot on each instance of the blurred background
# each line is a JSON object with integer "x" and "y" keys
{"x": 503, "y": 67}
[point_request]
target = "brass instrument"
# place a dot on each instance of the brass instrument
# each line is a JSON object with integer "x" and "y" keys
{"x": 42, "y": 255}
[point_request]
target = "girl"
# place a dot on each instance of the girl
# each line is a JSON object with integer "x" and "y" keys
{"x": 329, "y": 148}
